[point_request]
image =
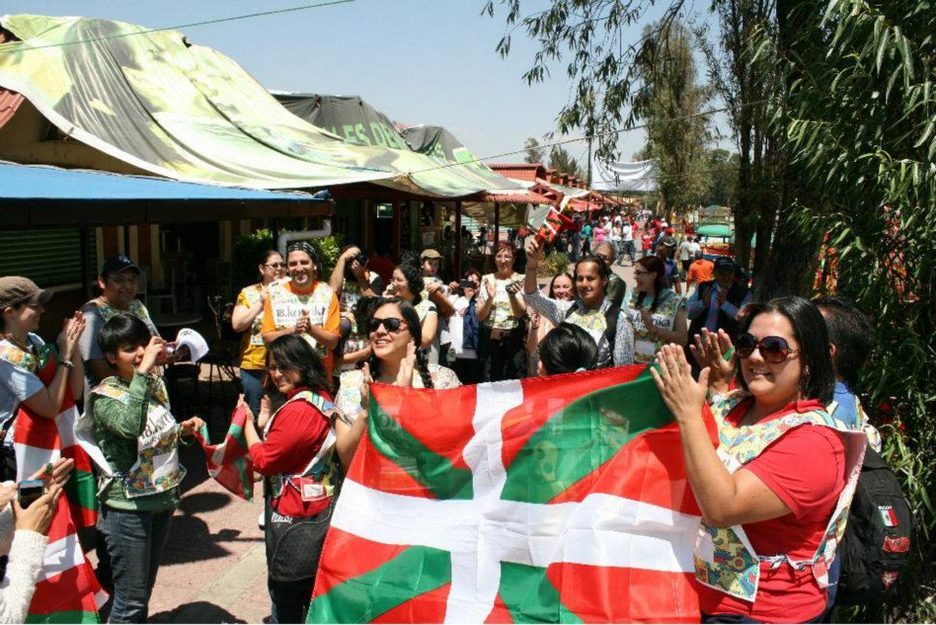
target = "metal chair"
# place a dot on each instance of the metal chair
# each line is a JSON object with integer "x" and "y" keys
{"x": 220, "y": 360}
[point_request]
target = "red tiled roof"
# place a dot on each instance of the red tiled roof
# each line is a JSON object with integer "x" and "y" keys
{"x": 528, "y": 172}
{"x": 9, "y": 102}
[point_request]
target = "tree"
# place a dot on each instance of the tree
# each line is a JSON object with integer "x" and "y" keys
{"x": 560, "y": 160}
{"x": 534, "y": 152}
{"x": 723, "y": 168}
{"x": 671, "y": 103}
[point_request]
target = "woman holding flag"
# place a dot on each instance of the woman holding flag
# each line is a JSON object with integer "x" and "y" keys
{"x": 775, "y": 494}
{"x": 296, "y": 457}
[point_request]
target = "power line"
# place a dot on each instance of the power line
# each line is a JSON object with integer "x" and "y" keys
{"x": 585, "y": 138}
{"x": 220, "y": 20}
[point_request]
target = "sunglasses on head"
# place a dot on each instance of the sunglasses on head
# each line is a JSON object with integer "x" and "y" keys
{"x": 773, "y": 349}
{"x": 392, "y": 324}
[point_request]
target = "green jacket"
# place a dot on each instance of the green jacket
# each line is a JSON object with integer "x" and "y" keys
{"x": 116, "y": 427}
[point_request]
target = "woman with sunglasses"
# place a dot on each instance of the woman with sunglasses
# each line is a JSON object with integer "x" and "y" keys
{"x": 247, "y": 319}
{"x": 295, "y": 456}
{"x": 768, "y": 496}
{"x": 396, "y": 358}
{"x": 591, "y": 309}
{"x": 656, "y": 311}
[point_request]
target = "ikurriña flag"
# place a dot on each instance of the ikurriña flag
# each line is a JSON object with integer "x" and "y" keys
{"x": 551, "y": 500}
{"x": 228, "y": 462}
{"x": 67, "y": 590}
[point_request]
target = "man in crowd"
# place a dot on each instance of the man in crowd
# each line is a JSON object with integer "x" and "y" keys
{"x": 351, "y": 280}
{"x": 430, "y": 262}
{"x": 119, "y": 281}
{"x": 617, "y": 289}
{"x": 701, "y": 270}
{"x": 716, "y": 303}
{"x": 684, "y": 251}
{"x": 627, "y": 243}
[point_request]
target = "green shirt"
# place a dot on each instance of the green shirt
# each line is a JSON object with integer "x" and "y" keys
{"x": 116, "y": 428}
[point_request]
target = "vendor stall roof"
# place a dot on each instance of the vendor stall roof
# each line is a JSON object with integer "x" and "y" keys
{"x": 33, "y": 195}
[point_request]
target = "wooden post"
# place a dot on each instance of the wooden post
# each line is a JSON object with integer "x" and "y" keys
{"x": 458, "y": 240}
{"x": 397, "y": 226}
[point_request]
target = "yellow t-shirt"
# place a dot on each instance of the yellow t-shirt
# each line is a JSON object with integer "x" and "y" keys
{"x": 252, "y": 348}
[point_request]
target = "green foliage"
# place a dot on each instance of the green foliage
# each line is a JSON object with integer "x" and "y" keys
{"x": 249, "y": 247}
{"x": 554, "y": 263}
{"x": 671, "y": 101}
{"x": 561, "y": 160}
{"x": 859, "y": 126}
{"x": 246, "y": 256}
{"x": 534, "y": 152}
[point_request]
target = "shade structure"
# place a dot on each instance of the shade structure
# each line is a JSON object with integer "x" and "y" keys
{"x": 159, "y": 103}
{"x": 715, "y": 230}
{"x": 33, "y": 195}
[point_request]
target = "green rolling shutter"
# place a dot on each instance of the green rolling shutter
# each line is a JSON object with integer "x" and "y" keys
{"x": 49, "y": 257}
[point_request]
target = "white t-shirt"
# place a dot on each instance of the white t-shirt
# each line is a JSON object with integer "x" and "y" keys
{"x": 457, "y": 331}
{"x": 685, "y": 251}
{"x": 627, "y": 233}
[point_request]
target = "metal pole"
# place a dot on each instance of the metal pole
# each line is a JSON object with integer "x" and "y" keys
{"x": 589, "y": 163}
{"x": 496, "y": 224}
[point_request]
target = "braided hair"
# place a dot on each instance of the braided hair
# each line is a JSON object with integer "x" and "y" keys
{"x": 411, "y": 317}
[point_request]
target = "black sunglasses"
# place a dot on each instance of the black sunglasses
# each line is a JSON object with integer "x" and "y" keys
{"x": 773, "y": 349}
{"x": 392, "y": 324}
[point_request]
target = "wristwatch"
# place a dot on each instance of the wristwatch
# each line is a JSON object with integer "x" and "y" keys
{"x": 67, "y": 364}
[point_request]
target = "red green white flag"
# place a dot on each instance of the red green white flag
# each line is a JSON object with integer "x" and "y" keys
{"x": 67, "y": 590}
{"x": 559, "y": 499}
{"x": 228, "y": 462}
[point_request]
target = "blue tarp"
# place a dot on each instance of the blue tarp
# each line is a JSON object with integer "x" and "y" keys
{"x": 36, "y": 182}
{"x": 41, "y": 196}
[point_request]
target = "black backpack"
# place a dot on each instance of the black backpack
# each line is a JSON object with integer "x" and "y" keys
{"x": 876, "y": 546}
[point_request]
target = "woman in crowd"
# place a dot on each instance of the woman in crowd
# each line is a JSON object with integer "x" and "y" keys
{"x": 500, "y": 310}
{"x": 23, "y": 539}
{"x": 247, "y": 319}
{"x": 591, "y": 309}
{"x": 465, "y": 329}
{"x": 397, "y": 358}
{"x": 139, "y": 439}
{"x": 296, "y": 457}
{"x": 407, "y": 284}
{"x": 305, "y": 305}
{"x": 767, "y": 497}
{"x": 23, "y": 355}
{"x": 566, "y": 349}
{"x": 656, "y": 312}
{"x": 560, "y": 288}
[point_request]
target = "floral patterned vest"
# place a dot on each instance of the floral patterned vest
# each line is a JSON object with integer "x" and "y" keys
{"x": 724, "y": 557}
{"x": 157, "y": 468}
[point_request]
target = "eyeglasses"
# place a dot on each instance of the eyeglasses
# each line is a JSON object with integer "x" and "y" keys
{"x": 275, "y": 265}
{"x": 392, "y": 324}
{"x": 773, "y": 349}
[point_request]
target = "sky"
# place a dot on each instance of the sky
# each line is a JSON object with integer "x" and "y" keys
{"x": 419, "y": 61}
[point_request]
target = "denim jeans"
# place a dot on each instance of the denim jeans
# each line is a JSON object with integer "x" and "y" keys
{"x": 252, "y": 381}
{"x": 133, "y": 545}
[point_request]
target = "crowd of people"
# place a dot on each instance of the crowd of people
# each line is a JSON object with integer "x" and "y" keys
{"x": 312, "y": 343}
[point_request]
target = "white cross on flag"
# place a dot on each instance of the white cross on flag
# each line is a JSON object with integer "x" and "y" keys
{"x": 549, "y": 500}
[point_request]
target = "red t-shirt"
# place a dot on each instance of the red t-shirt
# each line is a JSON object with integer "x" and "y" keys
{"x": 805, "y": 468}
{"x": 296, "y": 435}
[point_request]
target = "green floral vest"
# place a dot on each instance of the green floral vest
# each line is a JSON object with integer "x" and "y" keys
{"x": 724, "y": 557}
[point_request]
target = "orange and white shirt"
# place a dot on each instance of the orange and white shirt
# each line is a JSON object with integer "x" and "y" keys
{"x": 287, "y": 303}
